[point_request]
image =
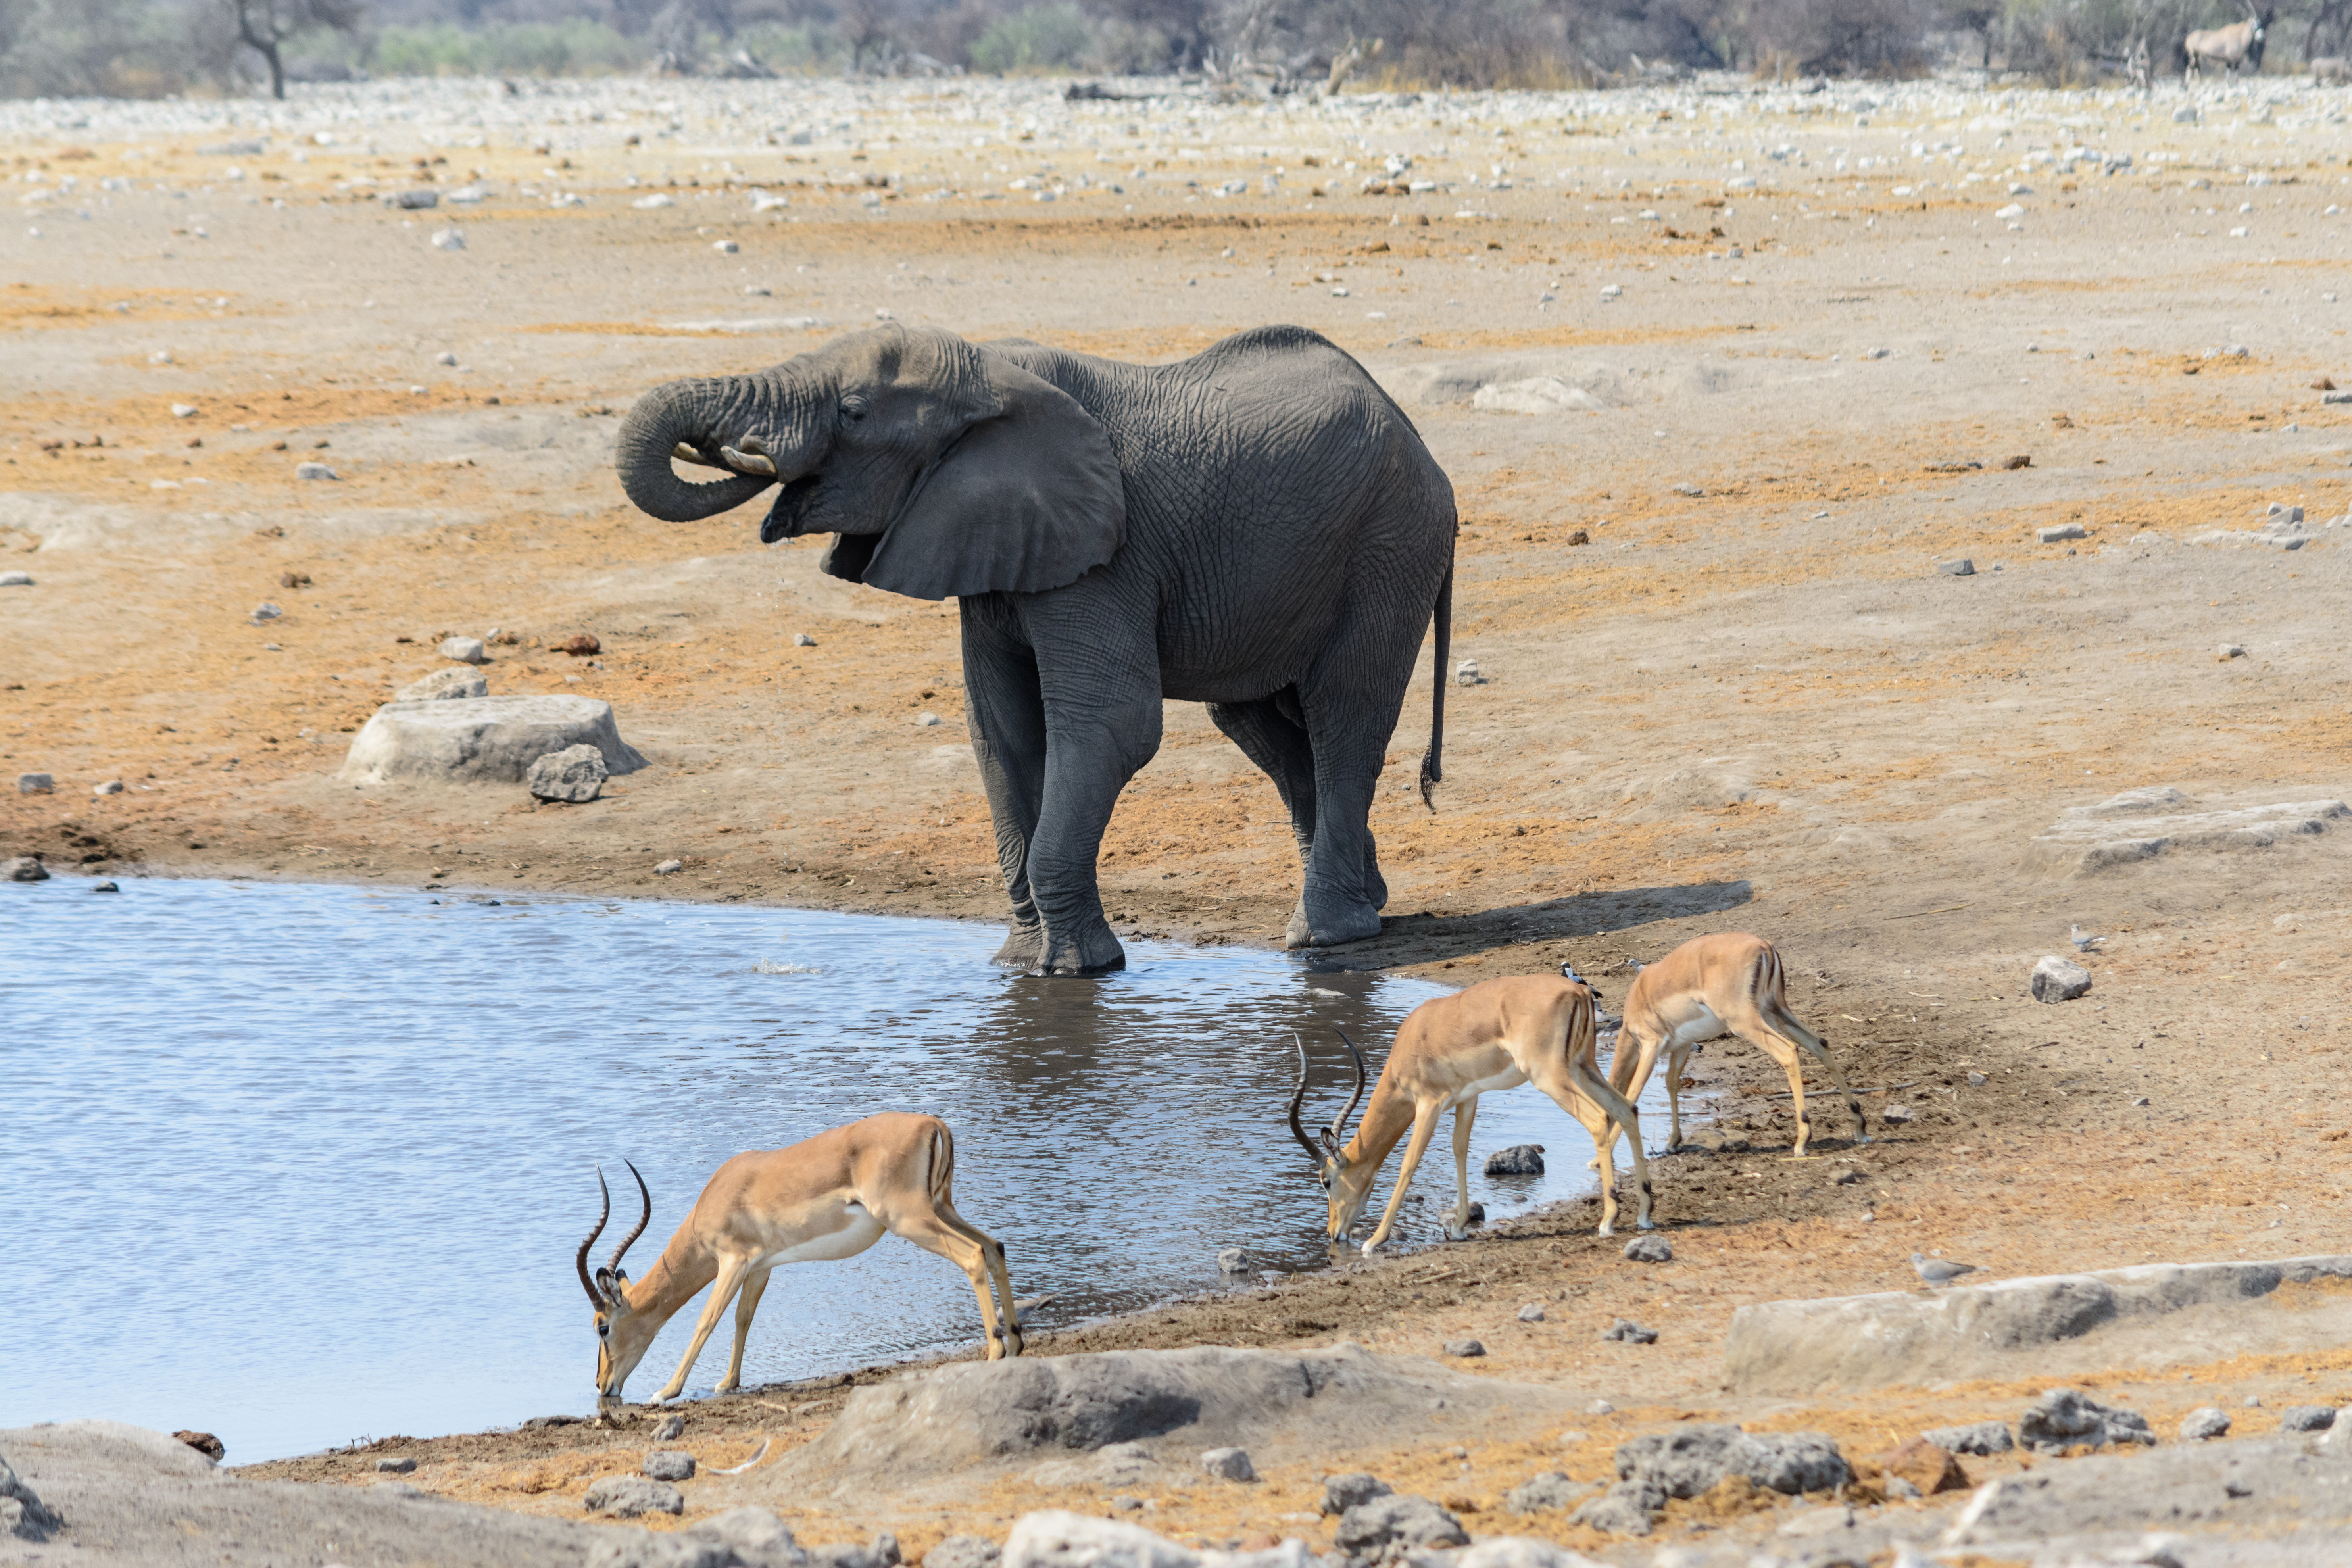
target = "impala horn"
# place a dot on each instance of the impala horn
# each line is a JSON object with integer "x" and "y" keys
{"x": 610, "y": 1276}
{"x": 1333, "y": 1138}
{"x": 1296, "y": 1099}
{"x": 596, "y": 1297}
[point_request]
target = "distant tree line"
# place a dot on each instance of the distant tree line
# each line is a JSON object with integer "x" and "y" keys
{"x": 153, "y": 47}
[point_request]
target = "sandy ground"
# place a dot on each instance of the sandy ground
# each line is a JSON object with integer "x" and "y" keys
{"x": 1750, "y": 701}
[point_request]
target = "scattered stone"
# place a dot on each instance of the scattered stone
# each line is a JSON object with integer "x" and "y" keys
{"x": 448, "y": 239}
{"x": 669, "y": 867}
{"x": 1342, "y": 1493}
{"x": 24, "y": 868}
{"x": 465, "y": 650}
{"x": 1687, "y": 488}
{"x": 802, "y": 640}
{"x": 1845, "y": 1178}
{"x": 1519, "y": 1160}
{"x": 105, "y": 888}
{"x": 927, "y": 720}
{"x": 1956, "y": 568}
{"x": 2185, "y": 115}
{"x": 263, "y": 612}
{"x": 452, "y": 683}
{"x": 1229, "y": 1464}
{"x": 2142, "y": 824}
{"x": 626, "y": 1497}
{"x": 1926, "y": 1468}
{"x": 2021, "y": 461}
{"x": 545, "y": 1423}
{"x": 963, "y": 1551}
{"x": 2057, "y": 979}
{"x": 183, "y": 411}
{"x": 2336, "y": 398}
{"x": 203, "y": 1443}
{"x": 1649, "y": 1249}
{"x": 1547, "y": 1492}
{"x": 2306, "y": 1418}
{"x": 1532, "y": 1312}
{"x": 580, "y": 645}
{"x": 396, "y": 1467}
{"x": 488, "y": 740}
{"x": 1233, "y": 1260}
{"x": 1580, "y": 536}
{"x": 16, "y": 579}
{"x": 412, "y": 201}
{"x": 672, "y": 1428}
{"x": 1465, "y": 1348}
{"x": 2204, "y": 1423}
{"x": 1415, "y": 1523}
{"x": 670, "y": 1465}
{"x": 1629, "y": 1332}
{"x": 2063, "y": 1418}
{"x": 574, "y": 775}
{"x": 1600, "y": 1407}
{"x": 1982, "y": 1438}
{"x": 35, "y": 783}
{"x": 1466, "y": 673}
{"x": 2227, "y": 651}
{"x": 1624, "y": 1508}
{"x": 23, "y": 1515}
{"x": 2063, "y": 531}
{"x": 314, "y": 471}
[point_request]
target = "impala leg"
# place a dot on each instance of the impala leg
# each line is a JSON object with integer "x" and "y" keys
{"x": 1463, "y": 1114}
{"x": 722, "y": 1290}
{"x": 1579, "y": 1083}
{"x": 1424, "y": 1122}
{"x": 1819, "y": 1049}
{"x": 1674, "y": 1063}
{"x": 747, "y": 1303}
{"x": 1629, "y": 1072}
{"x": 955, "y": 1238}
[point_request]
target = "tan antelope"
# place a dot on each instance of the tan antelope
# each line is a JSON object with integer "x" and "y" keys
{"x": 1727, "y": 983}
{"x": 2240, "y": 43}
{"x": 827, "y": 1198}
{"x": 1498, "y": 1034}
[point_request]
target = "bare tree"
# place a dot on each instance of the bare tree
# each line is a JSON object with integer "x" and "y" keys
{"x": 263, "y": 25}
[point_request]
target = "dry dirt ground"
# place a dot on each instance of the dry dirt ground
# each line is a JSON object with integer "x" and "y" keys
{"x": 1750, "y": 701}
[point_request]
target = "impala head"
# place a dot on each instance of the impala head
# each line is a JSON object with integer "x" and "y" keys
{"x": 623, "y": 1333}
{"x": 1345, "y": 1182}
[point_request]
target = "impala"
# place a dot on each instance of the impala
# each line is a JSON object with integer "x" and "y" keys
{"x": 830, "y": 1197}
{"x": 1498, "y": 1034}
{"x": 1727, "y": 983}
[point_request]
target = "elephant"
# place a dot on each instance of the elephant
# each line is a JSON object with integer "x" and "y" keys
{"x": 1258, "y": 528}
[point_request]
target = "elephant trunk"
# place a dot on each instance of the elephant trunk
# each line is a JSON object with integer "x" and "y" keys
{"x": 758, "y": 426}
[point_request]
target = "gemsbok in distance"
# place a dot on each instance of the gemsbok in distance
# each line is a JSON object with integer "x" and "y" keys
{"x": 1727, "y": 983}
{"x": 2240, "y": 43}
{"x": 1498, "y": 1034}
{"x": 830, "y": 1197}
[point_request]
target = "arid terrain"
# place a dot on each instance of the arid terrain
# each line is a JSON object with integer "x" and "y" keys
{"x": 1723, "y": 376}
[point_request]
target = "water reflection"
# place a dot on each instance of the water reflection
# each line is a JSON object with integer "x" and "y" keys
{"x": 297, "y": 1164}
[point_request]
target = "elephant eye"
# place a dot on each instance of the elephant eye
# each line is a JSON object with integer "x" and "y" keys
{"x": 852, "y": 408}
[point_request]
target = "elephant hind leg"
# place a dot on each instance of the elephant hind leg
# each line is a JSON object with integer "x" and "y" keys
{"x": 1268, "y": 732}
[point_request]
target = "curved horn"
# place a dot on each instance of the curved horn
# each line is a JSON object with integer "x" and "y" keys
{"x": 1299, "y": 1098}
{"x": 1340, "y": 1125}
{"x": 647, "y": 1219}
{"x": 596, "y": 1297}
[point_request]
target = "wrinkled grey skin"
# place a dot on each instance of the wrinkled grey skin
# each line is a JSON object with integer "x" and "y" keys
{"x": 1259, "y": 529}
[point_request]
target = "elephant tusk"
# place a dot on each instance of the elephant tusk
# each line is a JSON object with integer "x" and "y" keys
{"x": 685, "y": 454}
{"x": 748, "y": 462}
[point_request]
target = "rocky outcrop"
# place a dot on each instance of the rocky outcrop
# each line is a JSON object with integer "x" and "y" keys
{"x": 486, "y": 740}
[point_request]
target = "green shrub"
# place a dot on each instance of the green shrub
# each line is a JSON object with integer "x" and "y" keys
{"x": 1040, "y": 38}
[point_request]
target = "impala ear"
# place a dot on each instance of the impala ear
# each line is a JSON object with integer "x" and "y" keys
{"x": 1027, "y": 496}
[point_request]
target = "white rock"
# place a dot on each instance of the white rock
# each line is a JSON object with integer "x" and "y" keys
{"x": 1229, "y": 1464}
{"x": 2061, "y": 531}
{"x": 2229, "y": 651}
{"x": 2057, "y": 979}
{"x": 1956, "y": 568}
{"x": 455, "y": 681}
{"x": 264, "y": 612}
{"x": 314, "y": 471}
{"x": 465, "y": 651}
{"x": 448, "y": 239}
{"x": 183, "y": 411}
{"x": 16, "y": 579}
{"x": 445, "y": 357}
{"x": 1877, "y": 353}
{"x": 646, "y": 204}
{"x": 802, "y": 640}
{"x": 1611, "y": 291}
{"x": 927, "y": 720}
{"x": 1534, "y": 394}
{"x": 1466, "y": 673}
{"x": 111, "y": 786}
{"x": 725, "y": 247}
{"x": 575, "y": 774}
{"x": 669, "y": 867}
{"x": 2009, "y": 212}
{"x": 489, "y": 739}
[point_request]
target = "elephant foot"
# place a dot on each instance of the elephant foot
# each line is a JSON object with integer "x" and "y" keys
{"x": 1330, "y": 927}
{"x": 1025, "y": 946}
{"x": 1089, "y": 950}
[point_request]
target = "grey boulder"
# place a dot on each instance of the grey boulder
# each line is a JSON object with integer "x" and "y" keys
{"x": 23, "y": 1516}
{"x": 1649, "y": 1249}
{"x": 1631, "y": 1332}
{"x": 1519, "y": 1160}
{"x": 24, "y": 868}
{"x": 2306, "y": 1418}
{"x": 626, "y": 1497}
{"x": 739, "y": 1538}
{"x": 669, "y": 1465}
{"x": 1624, "y": 1508}
{"x": 456, "y": 680}
{"x": 489, "y": 739}
{"x": 1400, "y": 1519}
{"x": 2063, "y": 1418}
{"x": 2059, "y": 979}
{"x": 465, "y": 650}
{"x": 1692, "y": 1458}
{"x": 1547, "y": 1492}
{"x": 1052, "y": 1539}
{"x": 574, "y": 775}
{"x": 2204, "y": 1423}
{"x": 964, "y": 1552}
{"x": 1980, "y": 1439}
{"x": 1342, "y": 1493}
{"x": 1229, "y": 1464}
{"x": 35, "y": 784}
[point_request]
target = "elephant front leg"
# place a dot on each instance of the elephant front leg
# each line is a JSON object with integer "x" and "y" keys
{"x": 1087, "y": 763}
{"x": 1007, "y": 719}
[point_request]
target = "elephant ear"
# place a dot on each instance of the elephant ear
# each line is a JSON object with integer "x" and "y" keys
{"x": 1028, "y": 497}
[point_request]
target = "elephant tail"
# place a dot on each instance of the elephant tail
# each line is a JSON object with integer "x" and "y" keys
{"x": 1432, "y": 761}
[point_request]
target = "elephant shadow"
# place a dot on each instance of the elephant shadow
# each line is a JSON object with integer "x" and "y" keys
{"x": 1426, "y": 935}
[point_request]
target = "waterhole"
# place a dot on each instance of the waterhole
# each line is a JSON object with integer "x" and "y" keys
{"x": 298, "y": 1165}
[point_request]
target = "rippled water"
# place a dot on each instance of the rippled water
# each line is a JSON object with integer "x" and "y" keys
{"x": 298, "y": 1164}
